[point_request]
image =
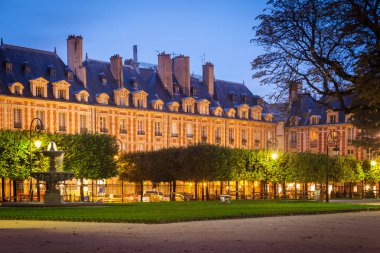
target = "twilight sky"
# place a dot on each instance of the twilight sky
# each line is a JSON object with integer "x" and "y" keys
{"x": 220, "y": 29}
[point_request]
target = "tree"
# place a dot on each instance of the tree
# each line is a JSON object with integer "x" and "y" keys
{"x": 88, "y": 155}
{"x": 332, "y": 47}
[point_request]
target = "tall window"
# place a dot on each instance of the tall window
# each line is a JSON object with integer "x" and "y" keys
{"x": 293, "y": 138}
{"x": 123, "y": 126}
{"x": 189, "y": 130}
{"x": 103, "y": 125}
{"x": 243, "y": 137}
{"x": 257, "y": 138}
{"x": 350, "y": 135}
{"x": 39, "y": 91}
{"x": 157, "y": 128}
{"x": 204, "y": 131}
{"x": 17, "y": 118}
{"x": 62, "y": 121}
{"x": 140, "y": 127}
{"x": 41, "y": 116}
{"x": 174, "y": 129}
{"x": 83, "y": 123}
{"x": 217, "y": 135}
{"x": 231, "y": 135}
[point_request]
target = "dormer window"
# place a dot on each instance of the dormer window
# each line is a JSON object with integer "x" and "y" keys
{"x": 332, "y": 117}
{"x": 102, "y": 98}
{"x": 38, "y": 87}
{"x": 103, "y": 78}
{"x": 16, "y": 88}
{"x": 157, "y": 104}
{"x": 121, "y": 96}
{"x": 82, "y": 96}
{"x": 231, "y": 113}
{"x": 173, "y": 106}
{"x": 61, "y": 89}
{"x": 70, "y": 76}
{"x": 256, "y": 112}
{"x": 8, "y": 66}
{"x": 294, "y": 121}
{"x": 243, "y": 111}
{"x": 269, "y": 117}
{"x": 27, "y": 68}
{"x": 139, "y": 99}
{"x": 188, "y": 105}
{"x": 217, "y": 111}
{"x": 203, "y": 106}
{"x": 52, "y": 72}
{"x": 314, "y": 119}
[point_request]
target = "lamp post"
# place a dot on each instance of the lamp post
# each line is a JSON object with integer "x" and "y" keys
{"x": 37, "y": 128}
{"x": 122, "y": 182}
{"x": 335, "y": 137}
{"x": 272, "y": 143}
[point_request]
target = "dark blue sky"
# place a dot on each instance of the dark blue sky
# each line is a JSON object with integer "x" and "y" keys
{"x": 219, "y": 29}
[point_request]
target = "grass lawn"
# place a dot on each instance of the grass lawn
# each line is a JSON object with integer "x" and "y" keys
{"x": 165, "y": 212}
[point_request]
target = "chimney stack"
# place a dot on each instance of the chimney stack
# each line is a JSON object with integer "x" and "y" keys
{"x": 116, "y": 66}
{"x": 208, "y": 77}
{"x": 75, "y": 57}
{"x": 135, "y": 59}
{"x": 181, "y": 67}
{"x": 165, "y": 71}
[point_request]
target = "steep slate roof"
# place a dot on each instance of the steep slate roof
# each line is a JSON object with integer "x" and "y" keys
{"x": 305, "y": 106}
{"x": 39, "y": 61}
{"x": 145, "y": 75}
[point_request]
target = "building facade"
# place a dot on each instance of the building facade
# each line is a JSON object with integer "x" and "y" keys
{"x": 145, "y": 106}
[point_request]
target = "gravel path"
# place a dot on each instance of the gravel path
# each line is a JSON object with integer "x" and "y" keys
{"x": 347, "y": 232}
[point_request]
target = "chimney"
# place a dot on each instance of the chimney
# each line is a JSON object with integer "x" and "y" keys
{"x": 294, "y": 90}
{"x": 181, "y": 69}
{"x": 75, "y": 57}
{"x": 116, "y": 66}
{"x": 165, "y": 71}
{"x": 208, "y": 77}
{"x": 135, "y": 59}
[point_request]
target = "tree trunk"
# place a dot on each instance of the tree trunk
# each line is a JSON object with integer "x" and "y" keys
{"x": 274, "y": 190}
{"x": 92, "y": 190}
{"x": 14, "y": 190}
{"x": 295, "y": 190}
{"x": 283, "y": 190}
{"x": 228, "y": 187}
{"x": 344, "y": 190}
{"x": 3, "y": 189}
{"x": 38, "y": 191}
{"x": 122, "y": 191}
{"x": 221, "y": 188}
{"x": 207, "y": 192}
{"x": 196, "y": 190}
{"x": 362, "y": 189}
{"x": 174, "y": 188}
{"x": 237, "y": 189}
{"x": 350, "y": 190}
{"x": 142, "y": 191}
{"x": 203, "y": 192}
{"x": 81, "y": 191}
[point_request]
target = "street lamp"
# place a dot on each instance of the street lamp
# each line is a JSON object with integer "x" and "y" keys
{"x": 272, "y": 143}
{"x": 373, "y": 163}
{"x": 37, "y": 128}
{"x": 116, "y": 158}
{"x": 335, "y": 137}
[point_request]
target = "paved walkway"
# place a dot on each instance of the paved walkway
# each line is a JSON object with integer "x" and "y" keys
{"x": 348, "y": 232}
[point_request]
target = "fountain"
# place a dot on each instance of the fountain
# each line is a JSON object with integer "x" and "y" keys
{"x": 52, "y": 177}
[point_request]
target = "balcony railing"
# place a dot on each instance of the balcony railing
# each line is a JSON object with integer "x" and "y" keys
{"x": 17, "y": 125}
{"x": 140, "y": 132}
{"x": 62, "y": 128}
{"x": 123, "y": 131}
{"x": 158, "y": 133}
{"x": 174, "y": 134}
{"x": 103, "y": 130}
{"x": 189, "y": 135}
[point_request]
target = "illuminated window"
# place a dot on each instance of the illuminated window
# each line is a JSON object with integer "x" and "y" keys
{"x": 61, "y": 94}
{"x": 39, "y": 91}
{"x": 189, "y": 130}
{"x": 83, "y": 123}
{"x": 123, "y": 126}
{"x": 174, "y": 129}
{"x": 103, "y": 125}
{"x": 140, "y": 127}
{"x": 243, "y": 137}
{"x": 62, "y": 122}
{"x": 231, "y": 135}
{"x": 157, "y": 128}
{"x": 41, "y": 116}
{"x": 293, "y": 138}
